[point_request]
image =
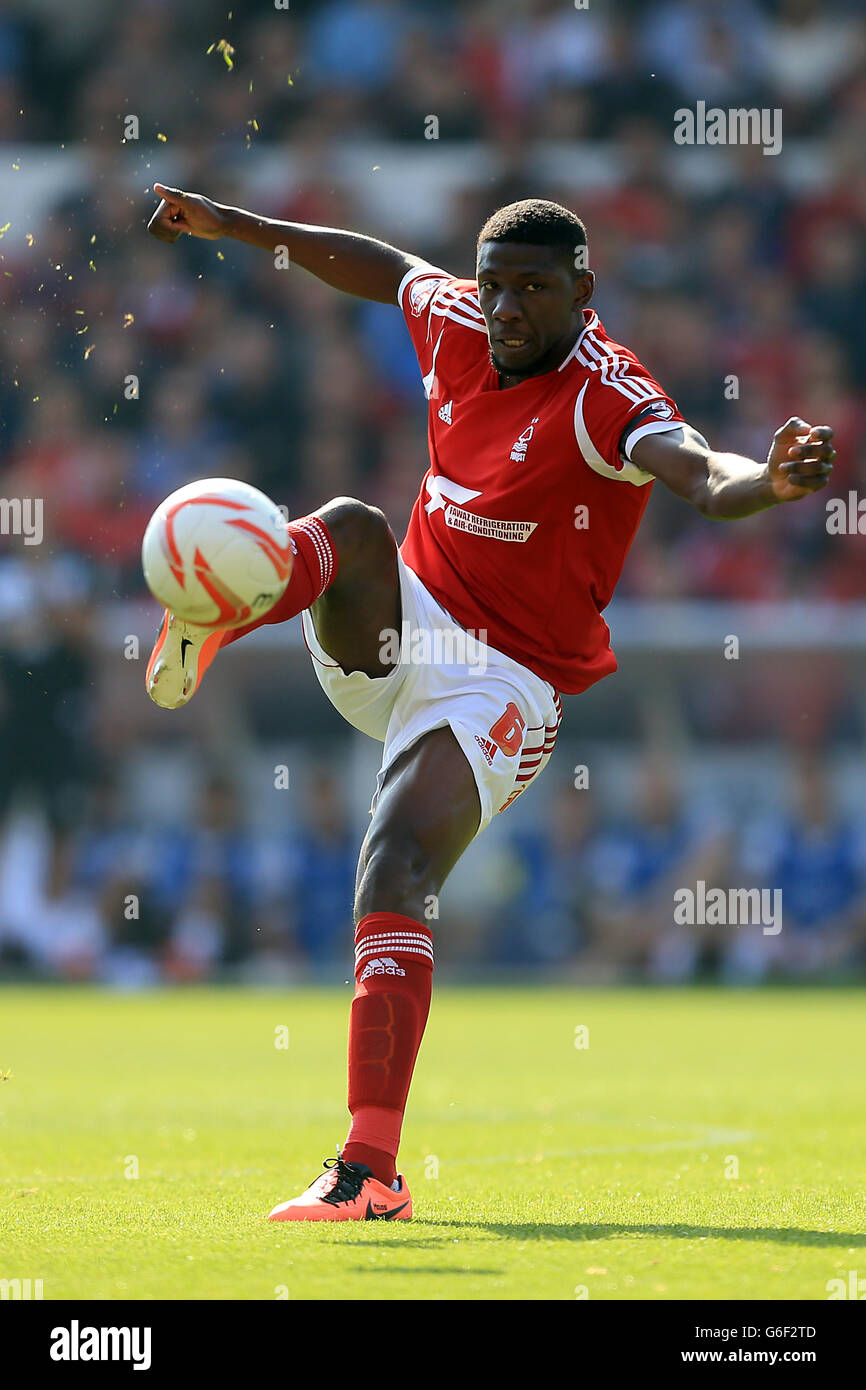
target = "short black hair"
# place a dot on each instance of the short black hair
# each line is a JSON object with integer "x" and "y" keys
{"x": 541, "y": 223}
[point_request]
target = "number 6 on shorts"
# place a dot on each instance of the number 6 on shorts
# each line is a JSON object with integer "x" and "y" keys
{"x": 507, "y": 733}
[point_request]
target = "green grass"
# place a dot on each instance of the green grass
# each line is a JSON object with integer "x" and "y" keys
{"x": 557, "y": 1167}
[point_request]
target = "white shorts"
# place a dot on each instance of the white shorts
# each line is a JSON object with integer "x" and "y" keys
{"x": 504, "y": 717}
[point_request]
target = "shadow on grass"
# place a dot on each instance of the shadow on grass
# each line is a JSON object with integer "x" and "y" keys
{"x": 404, "y": 1242}
{"x": 578, "y": 1230}
{"x": 423, "y": 1269}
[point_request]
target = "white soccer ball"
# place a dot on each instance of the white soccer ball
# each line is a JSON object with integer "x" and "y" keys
{"x": 217, "y": 553}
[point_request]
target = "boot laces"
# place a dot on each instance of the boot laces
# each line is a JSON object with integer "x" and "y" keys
{"x": 347, "y": 1179}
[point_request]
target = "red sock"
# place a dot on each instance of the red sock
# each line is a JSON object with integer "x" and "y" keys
{"x": 394, "y": 981}
{"x": 314, "y": 569}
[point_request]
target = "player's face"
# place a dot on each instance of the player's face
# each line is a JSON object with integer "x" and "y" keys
{"x": 531, "y": 300}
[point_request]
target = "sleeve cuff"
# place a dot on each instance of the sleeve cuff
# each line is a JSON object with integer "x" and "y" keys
{"x": 653, "y": 427}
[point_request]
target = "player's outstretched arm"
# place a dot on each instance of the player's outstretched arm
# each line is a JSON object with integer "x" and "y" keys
{"x": 728, "y": 486}
{"x": 348, "y": 261}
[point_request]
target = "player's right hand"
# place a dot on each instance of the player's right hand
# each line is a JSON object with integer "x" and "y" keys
{"x": 185, "y": 212}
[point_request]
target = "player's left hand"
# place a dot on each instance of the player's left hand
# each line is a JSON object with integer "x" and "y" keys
{"x": 801, "y": 459}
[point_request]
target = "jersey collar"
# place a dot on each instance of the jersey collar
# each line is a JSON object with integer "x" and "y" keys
{"x": 590, "y": 321}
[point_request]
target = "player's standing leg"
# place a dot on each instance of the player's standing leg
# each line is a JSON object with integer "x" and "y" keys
{"x": 427, "y": 813}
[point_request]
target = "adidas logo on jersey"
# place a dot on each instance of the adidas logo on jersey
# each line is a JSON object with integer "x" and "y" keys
{"x": 445, "y": 412}
{"x": 385, "y": 966}
{"x": 521, "y": 444}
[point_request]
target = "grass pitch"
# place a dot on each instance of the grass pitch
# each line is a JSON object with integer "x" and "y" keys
{"x": 703, "y": 1145}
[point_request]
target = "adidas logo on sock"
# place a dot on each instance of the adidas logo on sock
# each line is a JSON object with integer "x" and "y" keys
{"x": 385, "y": 966}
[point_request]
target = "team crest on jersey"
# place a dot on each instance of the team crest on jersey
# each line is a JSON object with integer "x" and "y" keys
{"x": 421, "y": 292}
{"x": 660, "y": 410}
{"x": 521, "y": 444}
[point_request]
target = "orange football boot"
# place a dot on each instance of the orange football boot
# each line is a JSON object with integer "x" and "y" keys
{"x": 181, "y": 655}
{"x": 347, "y": 1192}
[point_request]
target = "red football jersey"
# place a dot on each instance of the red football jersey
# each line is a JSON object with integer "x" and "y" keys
{"x": 530, "y": 503}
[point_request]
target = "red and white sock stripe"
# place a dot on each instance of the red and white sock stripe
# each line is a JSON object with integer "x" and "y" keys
{"x": 389, "y": 934}
{"x": 317, "y": 532}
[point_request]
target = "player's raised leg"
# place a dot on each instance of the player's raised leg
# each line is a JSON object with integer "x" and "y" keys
{"x": 427, "y": 813}
{"x": 344, "y": 567}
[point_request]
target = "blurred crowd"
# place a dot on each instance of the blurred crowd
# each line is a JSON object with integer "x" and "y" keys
{"x": 483, "y": 66}
{"x": 609, "y": 896}
{"x": 205, "y": 871}
{"x": 576, "y": 889}
{"x": 128, "y": 367}
{"x": 746, "y": 298}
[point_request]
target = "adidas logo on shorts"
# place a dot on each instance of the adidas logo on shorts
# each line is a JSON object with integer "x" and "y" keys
{"x": 487, "y": 747}
{"x": 385, "y": 966}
